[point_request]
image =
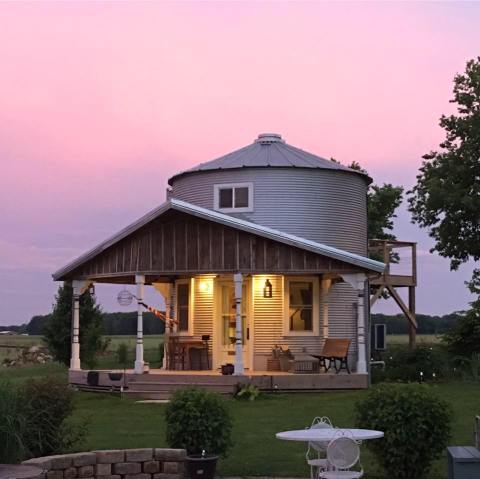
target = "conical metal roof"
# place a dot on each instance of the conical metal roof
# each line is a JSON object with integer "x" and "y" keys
{"x": 268, "y": 150}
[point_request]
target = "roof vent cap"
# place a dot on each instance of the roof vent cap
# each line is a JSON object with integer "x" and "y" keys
{"x": 267, "y": 138}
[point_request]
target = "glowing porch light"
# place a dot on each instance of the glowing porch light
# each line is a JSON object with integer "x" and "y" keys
{"x": 205, "y": 286}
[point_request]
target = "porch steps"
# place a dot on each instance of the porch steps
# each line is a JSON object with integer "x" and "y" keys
{"x": 164, "y": 388}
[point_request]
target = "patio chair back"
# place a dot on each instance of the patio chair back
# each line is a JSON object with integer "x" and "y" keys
{"x": 336, "y": 348}
{"x": 343, "y": 453}
{"x": 320, "y": 423}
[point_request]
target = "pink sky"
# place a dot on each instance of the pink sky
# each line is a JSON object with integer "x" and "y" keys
{"x": 101, "y": 102}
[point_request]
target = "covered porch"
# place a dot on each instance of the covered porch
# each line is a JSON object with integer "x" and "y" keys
{"x": 231, "y": 287}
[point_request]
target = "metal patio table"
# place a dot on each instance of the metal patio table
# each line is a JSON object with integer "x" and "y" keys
{"x": 327, "y": 434}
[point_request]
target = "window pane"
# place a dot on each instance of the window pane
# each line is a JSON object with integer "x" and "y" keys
{"x": 301, "y": 293}
{"x": 226, "y": 198}
{"x": 183, "y": 319}
{"x": 301, "y": 306}
{"x": 241, "y": 197}
{"x": 183, "y": 293}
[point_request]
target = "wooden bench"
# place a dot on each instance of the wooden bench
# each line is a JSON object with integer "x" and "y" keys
{"x": 335, "y": 349}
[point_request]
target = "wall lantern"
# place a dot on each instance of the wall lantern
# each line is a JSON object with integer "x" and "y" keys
{"x": 91, "y": 289}
{"x": 267, "y": 289}
{"x": 205, "y": 286}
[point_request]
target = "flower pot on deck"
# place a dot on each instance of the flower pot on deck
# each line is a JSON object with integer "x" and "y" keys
{"x": 201, "y": 467}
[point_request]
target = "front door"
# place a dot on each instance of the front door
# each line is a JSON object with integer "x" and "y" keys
{"x": 226, "y": 322}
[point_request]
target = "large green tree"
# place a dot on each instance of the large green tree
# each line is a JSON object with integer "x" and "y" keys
{"x": 446, "y": 197}
{"x": 57, "y": 332}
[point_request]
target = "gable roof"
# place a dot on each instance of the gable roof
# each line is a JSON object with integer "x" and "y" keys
{"x": 226, "y": 220}
{"x": 269, "y": 150}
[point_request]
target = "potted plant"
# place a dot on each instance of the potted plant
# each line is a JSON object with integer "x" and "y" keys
{"x": 199, "y": 422}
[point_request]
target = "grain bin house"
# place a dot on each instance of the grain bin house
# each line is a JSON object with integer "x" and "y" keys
{"x": 263, "y": 247}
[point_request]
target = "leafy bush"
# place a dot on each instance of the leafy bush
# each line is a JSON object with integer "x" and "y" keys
{"x": 464, "y": 338}
{"x": 198, "y": 420}
{"x": 35, "y": 420}
{"x": 13, "y": 427}
{"x": 416, "y": 424}
{"x": 48, "y": 407}
{"x": 405, "y": 364}
{"x": 248, "y": 392}
{"x": 122, "y": 354}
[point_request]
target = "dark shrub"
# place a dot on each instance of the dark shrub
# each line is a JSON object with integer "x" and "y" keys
{"x": 404, "y": 364}
{"x": 13, "y": 427}
{"x": 416, "y": 424}
{"x": 198, "y": 420}
{"x": 48, "y": 407}
{"x": 464, "y": 338}
{"x": 122, "y": 354}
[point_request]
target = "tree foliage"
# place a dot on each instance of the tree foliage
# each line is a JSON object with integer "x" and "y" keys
{"x": 382, "y": 202}
{"x": 57, "y": 332}
{"x": 446, "y": 197}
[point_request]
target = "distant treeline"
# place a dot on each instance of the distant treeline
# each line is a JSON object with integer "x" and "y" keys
{"x": 126, "y": 324}
{"x": 398, "y": 324}
{"x": 113, "y": 323}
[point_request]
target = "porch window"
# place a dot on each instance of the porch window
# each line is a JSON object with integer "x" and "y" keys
{"x": 301, "y": 298}
{"x": 183, "y": 309}
{"x": 233, "y": 197}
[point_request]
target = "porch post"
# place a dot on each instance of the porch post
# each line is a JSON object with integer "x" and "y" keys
{"x": 75, "y": 350}
{"x": 325, "y": 292}
{"x": 239, "y": 369}
{"x": 357, "y": 281}
{"x": 139, "y": 363}
{"x": 78, "y": 287}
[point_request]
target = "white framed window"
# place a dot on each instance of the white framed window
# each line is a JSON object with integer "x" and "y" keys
{"x": 301, "y": 302}
{"x": 233, "y": 197}
{"x": 184, "y": 306}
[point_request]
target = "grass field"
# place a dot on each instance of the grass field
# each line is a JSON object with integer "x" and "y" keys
{"x": 151, "y": 348}
{"x": 123, "y": 423}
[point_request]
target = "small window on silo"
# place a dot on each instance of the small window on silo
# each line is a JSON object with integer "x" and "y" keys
{"x": 226, "y": 198}
{"x": 233, "y": 197}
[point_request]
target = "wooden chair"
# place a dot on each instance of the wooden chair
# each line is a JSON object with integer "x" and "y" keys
{"x": 335, "y": 349}
{"x": 175, "y": 353}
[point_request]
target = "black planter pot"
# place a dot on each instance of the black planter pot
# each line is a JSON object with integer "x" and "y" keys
{"x": 199, "y": 467}
{"x": 228, "y": 369}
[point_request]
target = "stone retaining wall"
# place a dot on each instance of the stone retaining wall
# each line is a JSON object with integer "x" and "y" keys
{"x": 114, "y": 464}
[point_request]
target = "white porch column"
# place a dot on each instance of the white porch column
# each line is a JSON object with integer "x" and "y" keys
{"x": 79, "y": 287}
{"x": 357, "y": 281}
{"x": 325, "y": 297}
{"x": 239, "y": 368}
{"x": 139, "y": 363}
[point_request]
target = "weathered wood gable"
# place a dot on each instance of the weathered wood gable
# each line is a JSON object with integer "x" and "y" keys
{"x": 181, "y": 244}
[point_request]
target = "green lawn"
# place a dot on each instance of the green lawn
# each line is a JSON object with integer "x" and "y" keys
{"x": 122, "y": 423}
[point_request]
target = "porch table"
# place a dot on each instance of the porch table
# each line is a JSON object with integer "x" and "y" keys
{"x": 187, "y": 345}
{"x": 327, "y": 434}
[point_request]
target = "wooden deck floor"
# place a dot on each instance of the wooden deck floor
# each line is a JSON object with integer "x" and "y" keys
{"x": 160, "y": 384}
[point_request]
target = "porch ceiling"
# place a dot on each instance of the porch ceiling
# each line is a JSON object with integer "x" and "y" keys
{"x": 182, "y": 239}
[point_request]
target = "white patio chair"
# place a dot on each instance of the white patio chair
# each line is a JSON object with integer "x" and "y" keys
{"x": 343, "y": 453}
{"x": 316, "y": 451}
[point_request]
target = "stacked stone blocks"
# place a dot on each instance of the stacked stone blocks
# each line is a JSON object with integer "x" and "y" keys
{"x": 114, "y": 464}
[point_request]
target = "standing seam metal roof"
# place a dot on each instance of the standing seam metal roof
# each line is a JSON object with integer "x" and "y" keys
{"x": 268, "y": 150}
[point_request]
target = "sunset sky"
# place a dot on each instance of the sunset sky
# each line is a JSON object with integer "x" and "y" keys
{"x": 101, "y": 102}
